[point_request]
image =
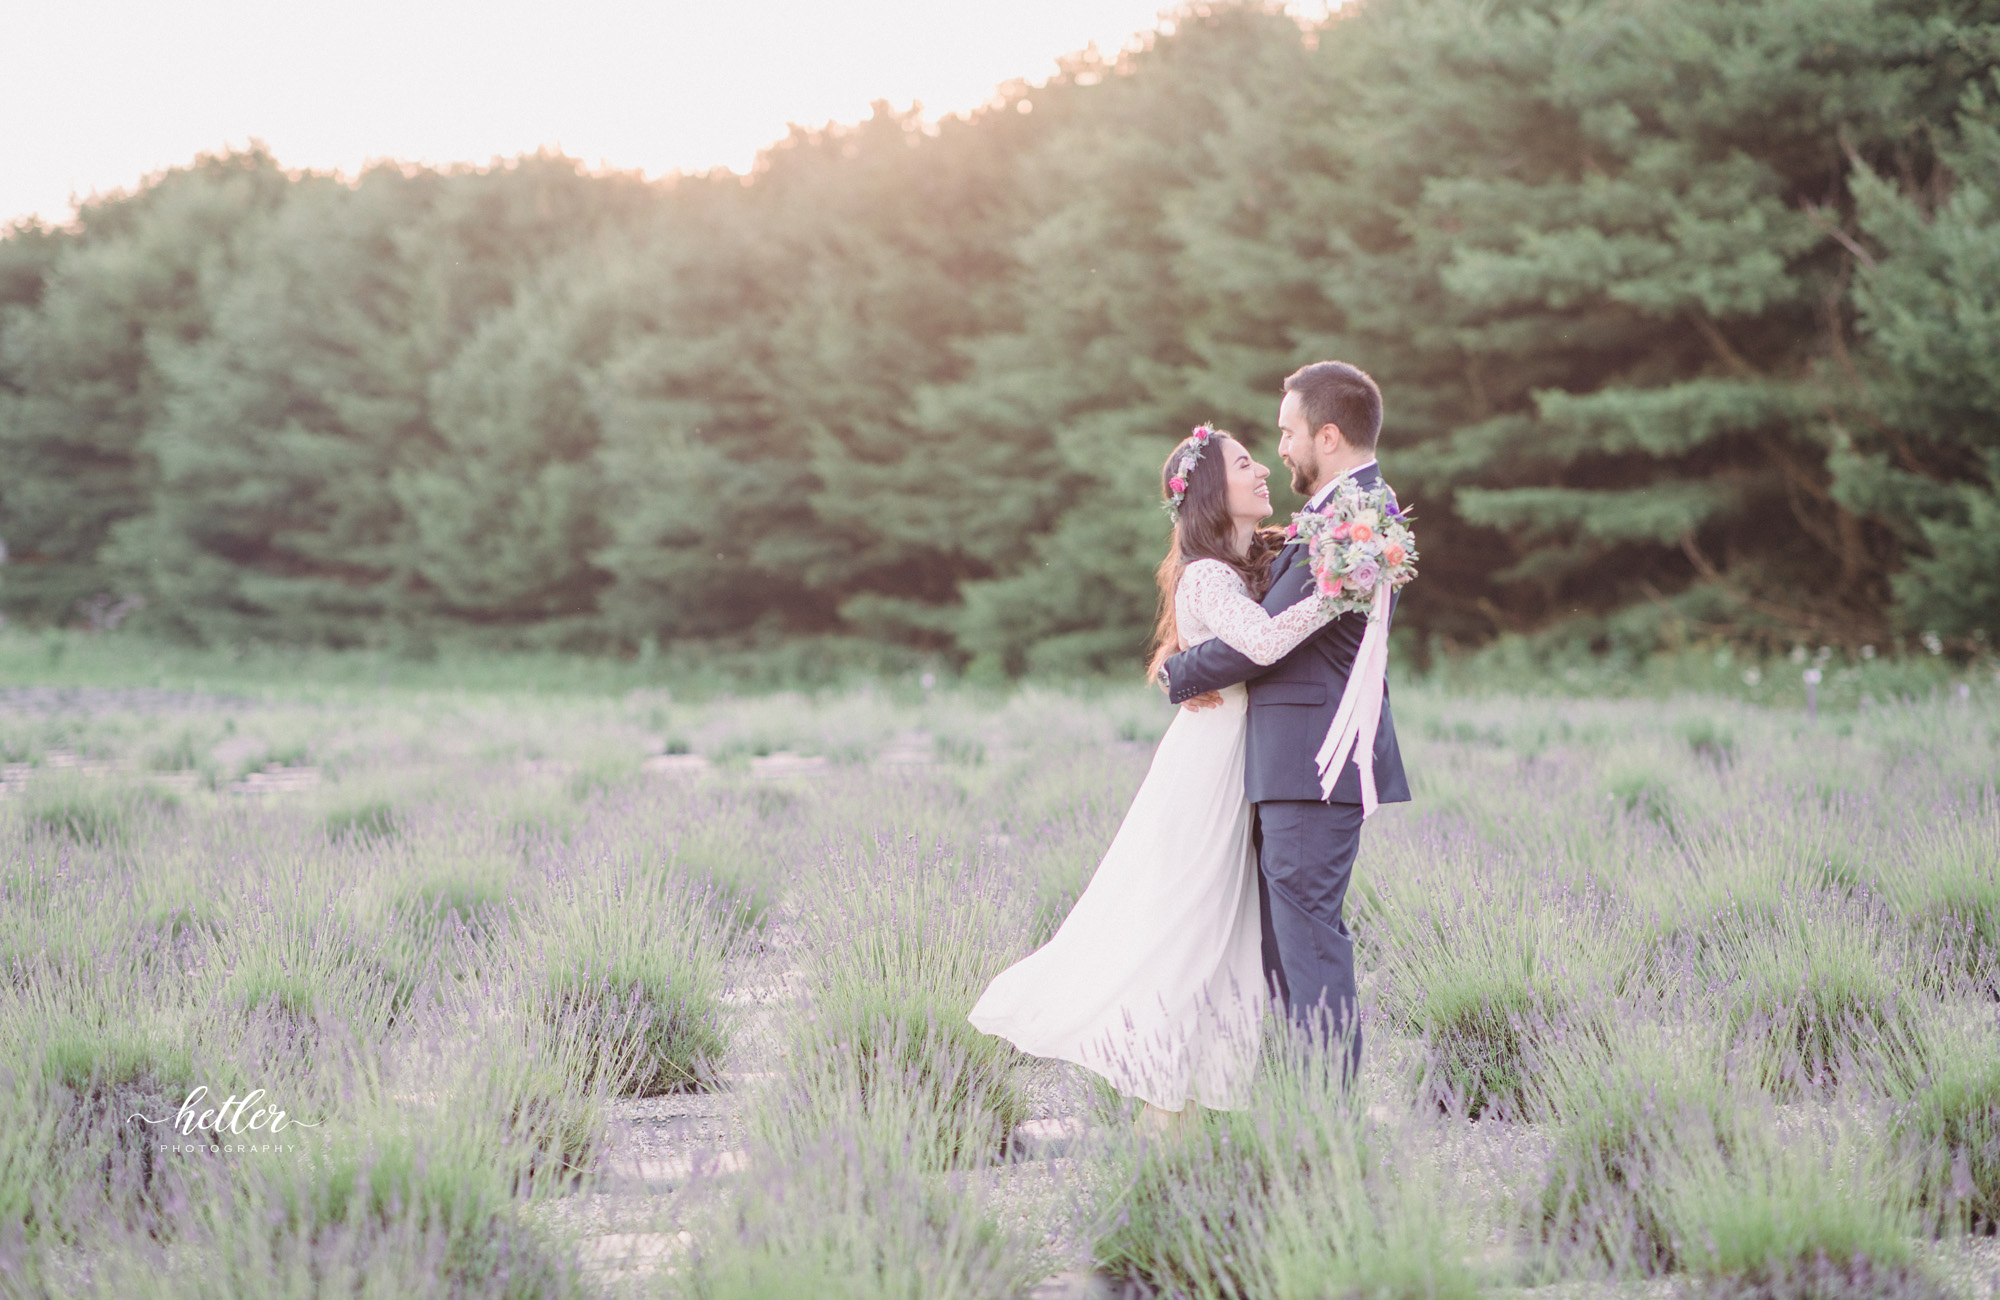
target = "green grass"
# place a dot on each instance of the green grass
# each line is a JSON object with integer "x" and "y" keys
{"x": 372, "y": 822}
{"x": 1656, "y": 984}
{"x": 78, "y": 1161}
{"x": 848, "y": 1221}
{"x": 97, "y": 813}
{"x": 1817, "y": 1214}
{"x": 1824, "y": 990}
{"x": 1949, "y": 1127}
{"x": 1294, "y": 1197}
{"x": 730, "y": 854}
{"x": 1622, "y": 1108}
{"x": 900, "y": 941}
{"x": 1944, "y": 880}
{"x": 638, "y": 961}
{"x": 1487, "y": 966}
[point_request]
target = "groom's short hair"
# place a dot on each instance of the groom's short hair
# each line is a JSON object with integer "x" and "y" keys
{"x": 1333, "y": 392}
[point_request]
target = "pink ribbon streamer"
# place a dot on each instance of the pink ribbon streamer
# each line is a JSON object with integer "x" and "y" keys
{"x": 1360, "y": 712}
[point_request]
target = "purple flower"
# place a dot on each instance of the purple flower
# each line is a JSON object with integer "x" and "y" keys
{"x": 1366, "y": 574}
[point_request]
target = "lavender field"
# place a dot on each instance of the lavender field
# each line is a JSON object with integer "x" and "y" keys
{"x": 630, "y": 993}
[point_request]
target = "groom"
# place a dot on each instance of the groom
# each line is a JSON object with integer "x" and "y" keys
{"x": 1327, "y": 423}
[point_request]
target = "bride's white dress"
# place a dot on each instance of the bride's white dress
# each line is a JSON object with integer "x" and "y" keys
{"x": 1155, "y": 979}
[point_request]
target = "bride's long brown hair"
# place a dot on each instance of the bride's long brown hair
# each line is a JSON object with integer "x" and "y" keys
{"x": 1205, "y": 532}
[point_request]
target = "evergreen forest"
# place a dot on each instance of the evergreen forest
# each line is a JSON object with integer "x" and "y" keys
{"x": 1686, "y": 312}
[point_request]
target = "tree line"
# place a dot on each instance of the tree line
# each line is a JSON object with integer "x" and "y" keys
{"x": 1687, "y": 313}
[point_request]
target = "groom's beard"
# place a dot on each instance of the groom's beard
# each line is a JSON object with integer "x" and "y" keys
{"x": 1300, "y": 483}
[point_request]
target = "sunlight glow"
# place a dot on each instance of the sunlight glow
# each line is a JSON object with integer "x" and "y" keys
{"x": 95, "y": 94}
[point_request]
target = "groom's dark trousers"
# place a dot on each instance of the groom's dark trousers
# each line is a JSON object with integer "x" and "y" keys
{"x": 1306, "y": 843}
{"x": 1306, "y": 855}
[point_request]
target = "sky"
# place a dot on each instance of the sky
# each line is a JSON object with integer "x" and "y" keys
{"x": 97, "y": 94}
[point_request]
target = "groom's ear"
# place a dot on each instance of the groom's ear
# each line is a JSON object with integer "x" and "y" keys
{"x": 1329, "y": 438}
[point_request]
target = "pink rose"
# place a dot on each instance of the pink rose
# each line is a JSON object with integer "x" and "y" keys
{"x": 1365, "y": 575}
{"x": 1329, "y": 585}
{"x": 1291, "y": 530}
{"x": 1177, "y": 484}
{"x": 1340, "y": 532}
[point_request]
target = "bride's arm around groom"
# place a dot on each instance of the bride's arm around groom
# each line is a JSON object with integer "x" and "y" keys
{"x": 1292, "y": 701}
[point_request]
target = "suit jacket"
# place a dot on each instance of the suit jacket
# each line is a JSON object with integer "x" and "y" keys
{"x": 1292, "y": 702}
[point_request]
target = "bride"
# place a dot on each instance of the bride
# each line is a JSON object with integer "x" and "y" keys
{"x": 1156, "y": 979}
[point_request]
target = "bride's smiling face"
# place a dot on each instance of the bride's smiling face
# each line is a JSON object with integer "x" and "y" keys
{"x": 1249, "y": 492}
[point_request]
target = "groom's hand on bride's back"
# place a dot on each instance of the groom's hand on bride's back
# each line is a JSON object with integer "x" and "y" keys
{"x": 1205, "y": 700}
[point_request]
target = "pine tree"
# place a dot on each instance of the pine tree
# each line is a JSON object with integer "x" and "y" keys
{"x": 295, "y": 434}
{"x": 1682, "y": 311}
{"x": 764, "y": 429}
{"x": 1920, "y": 450}
{"x": 88, "y": 313}
{"x": 1074, "y": 408}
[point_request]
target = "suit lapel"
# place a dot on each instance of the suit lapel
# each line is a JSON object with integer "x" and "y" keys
{"x": 1291, "y": 554}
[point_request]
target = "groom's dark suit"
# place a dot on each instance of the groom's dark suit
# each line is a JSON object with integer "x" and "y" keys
{"x": 1307, "y": 845}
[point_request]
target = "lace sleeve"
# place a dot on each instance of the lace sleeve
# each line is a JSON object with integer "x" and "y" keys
{"x": 1215, "y": 595}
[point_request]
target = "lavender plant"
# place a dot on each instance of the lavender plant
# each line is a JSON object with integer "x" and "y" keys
{"x": 1712, "y": 985}
{"x": 1302, "y": 1193}
{"x": 1816, "y": 1211}
{"x": 898, "y": 941}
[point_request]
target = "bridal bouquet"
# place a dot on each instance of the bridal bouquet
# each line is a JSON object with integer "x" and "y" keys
{"x": 1361, "y": 550}
{"x": 1359, "y": 541}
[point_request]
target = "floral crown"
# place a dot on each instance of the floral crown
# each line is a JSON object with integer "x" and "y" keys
{"x": 1177, "y": 482}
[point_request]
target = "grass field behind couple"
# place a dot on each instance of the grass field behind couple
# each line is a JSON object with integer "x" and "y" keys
{"x": 636, "y": 990}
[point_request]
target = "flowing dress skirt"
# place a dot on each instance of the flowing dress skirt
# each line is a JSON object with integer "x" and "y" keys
{"x": 1155, "y": 979}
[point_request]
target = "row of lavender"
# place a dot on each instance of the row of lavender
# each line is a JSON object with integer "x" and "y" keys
{"x": 1715, "y": 986}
